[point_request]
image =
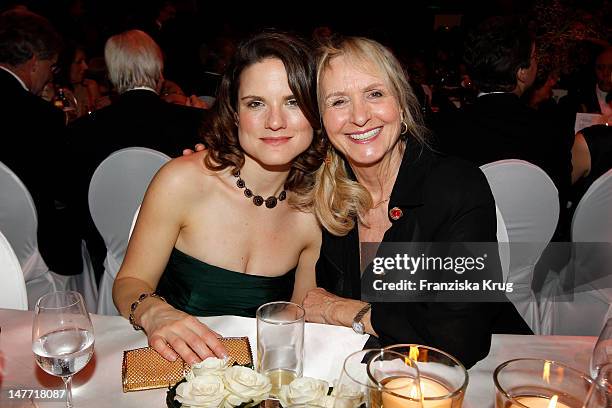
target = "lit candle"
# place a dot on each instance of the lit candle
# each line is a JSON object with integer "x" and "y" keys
{"x": 404, "y": 387}
{"x": 540, "y": 402}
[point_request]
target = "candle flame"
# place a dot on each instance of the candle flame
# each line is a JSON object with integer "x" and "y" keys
{"x": 413, "y": 354}
{"x": 546, "y": 372}
{"x": 553, "y": 401}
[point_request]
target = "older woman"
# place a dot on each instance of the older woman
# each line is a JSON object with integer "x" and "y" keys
{"x": 221, "y": 231}
{"x": 381, "y": 183}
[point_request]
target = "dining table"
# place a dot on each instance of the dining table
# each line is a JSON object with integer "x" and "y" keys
{"x": 99, "y": 384}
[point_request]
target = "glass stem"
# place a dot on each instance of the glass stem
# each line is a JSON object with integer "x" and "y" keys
{"x": 68, "y": 384}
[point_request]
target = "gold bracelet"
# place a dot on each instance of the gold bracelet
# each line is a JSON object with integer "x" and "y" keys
{"x": 134, "y": 305}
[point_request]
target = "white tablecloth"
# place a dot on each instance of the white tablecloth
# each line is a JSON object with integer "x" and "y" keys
{"x": 99, "y": 384}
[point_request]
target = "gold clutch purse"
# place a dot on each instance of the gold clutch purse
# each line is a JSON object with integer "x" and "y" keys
{"x": 145, "y": 368}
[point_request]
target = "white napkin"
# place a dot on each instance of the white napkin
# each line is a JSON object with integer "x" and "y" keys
{"x": 326, "y": 346}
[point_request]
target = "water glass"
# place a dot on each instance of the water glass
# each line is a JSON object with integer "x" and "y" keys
{"x": 377, "y": 378}
{"x": 280, "y": 342}
{"x": 443, "y": 378}
{"x": 62, "y": 336}
{"x": 602, "y": 353}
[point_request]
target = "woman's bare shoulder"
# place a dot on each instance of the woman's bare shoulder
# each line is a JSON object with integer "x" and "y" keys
{"x": 307, "y": 223}
{"x": 185, "y": 174}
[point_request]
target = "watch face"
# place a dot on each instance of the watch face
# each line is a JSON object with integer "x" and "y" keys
{"x": 358, "y": 327}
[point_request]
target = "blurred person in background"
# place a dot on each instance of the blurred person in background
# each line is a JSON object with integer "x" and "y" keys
{"x": 80, "y": 94}
{"x": 138, "y": 117}
{"x": 29, "y": 48}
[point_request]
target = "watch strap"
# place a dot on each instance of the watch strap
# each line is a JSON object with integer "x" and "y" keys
{"x": 361, "y": 313}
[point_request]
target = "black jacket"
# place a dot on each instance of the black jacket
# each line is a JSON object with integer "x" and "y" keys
{"x": 139, "y": 118}
{"x": 33, "y": 145}
{"x": 442, "y": 200}
{"x": 500, "y": 126}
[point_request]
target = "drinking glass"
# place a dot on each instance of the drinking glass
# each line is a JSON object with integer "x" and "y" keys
{"x": 600, "y": 394}
{"x": 280, "y": 342}
{"x": 377, "y": 378}
{"x": 62, "y": 336}
{"x": 602, "y": 353}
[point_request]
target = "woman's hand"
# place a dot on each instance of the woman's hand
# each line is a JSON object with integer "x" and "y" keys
{"x": 198, "y": 148}
{"x": 171, "y": 331}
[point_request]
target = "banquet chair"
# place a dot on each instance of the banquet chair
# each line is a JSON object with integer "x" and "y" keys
{"x": 13, "y": 293}
{"x": 529, "y": 205}
{"x": 581, "y": 298}
{"x": 19, "y": 223}
{"x": 134, "y": 222}
{"x": 503, "y": 243}
{"x": 116, "y": 190}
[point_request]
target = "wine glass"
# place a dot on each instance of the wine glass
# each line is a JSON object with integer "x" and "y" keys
{"x": 602, "y": 353}
{"x": 62, "y": 336}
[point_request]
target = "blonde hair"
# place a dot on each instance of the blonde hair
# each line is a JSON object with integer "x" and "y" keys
{"x": 133, "y": 59}
{"x": 335, "y": 199}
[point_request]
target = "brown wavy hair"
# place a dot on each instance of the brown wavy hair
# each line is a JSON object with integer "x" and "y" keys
{"x": 220, "y": 132}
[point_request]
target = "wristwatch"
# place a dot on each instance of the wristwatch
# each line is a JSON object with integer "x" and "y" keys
{"x": 358, "y": 326}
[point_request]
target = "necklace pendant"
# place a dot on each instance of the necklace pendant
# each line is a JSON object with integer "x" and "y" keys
{"x": 271, "y": 202}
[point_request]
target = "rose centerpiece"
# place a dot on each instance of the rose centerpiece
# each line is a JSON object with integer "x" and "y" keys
{"x": 213, "y": 383}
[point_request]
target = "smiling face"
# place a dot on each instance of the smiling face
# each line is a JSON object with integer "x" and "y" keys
{"x": 361, "y": 115}
{"x": 272, "y": 129}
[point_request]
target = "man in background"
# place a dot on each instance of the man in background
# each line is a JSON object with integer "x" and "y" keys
{"x": 139, "y": 117}
{"x": 33, "y": 140}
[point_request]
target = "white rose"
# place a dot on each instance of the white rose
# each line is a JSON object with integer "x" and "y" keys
{"x": 211, "y": 365}
{"x": 244, "y": 385}
{"x": 302, "y": 390}
{"x": 207, "y": 391}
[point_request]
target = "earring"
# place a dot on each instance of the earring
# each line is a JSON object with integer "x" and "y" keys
{"x": 404, "y": 128}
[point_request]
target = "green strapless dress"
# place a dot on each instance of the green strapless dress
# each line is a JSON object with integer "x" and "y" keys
{"x": 200, "y": 289}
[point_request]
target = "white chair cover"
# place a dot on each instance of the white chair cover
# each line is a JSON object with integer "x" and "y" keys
{"x": 586, "y": 310}
{"x": 19, "y": 223}
{"x": 528, "y": 201}
{"x": 115, "y": 192}
{"x": 13, "y": 293}
{"x": 502, "y": 240}
{"x": 134, "y": 222}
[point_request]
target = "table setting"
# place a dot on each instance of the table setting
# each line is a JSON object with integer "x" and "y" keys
{"x": 277, "y": 359}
